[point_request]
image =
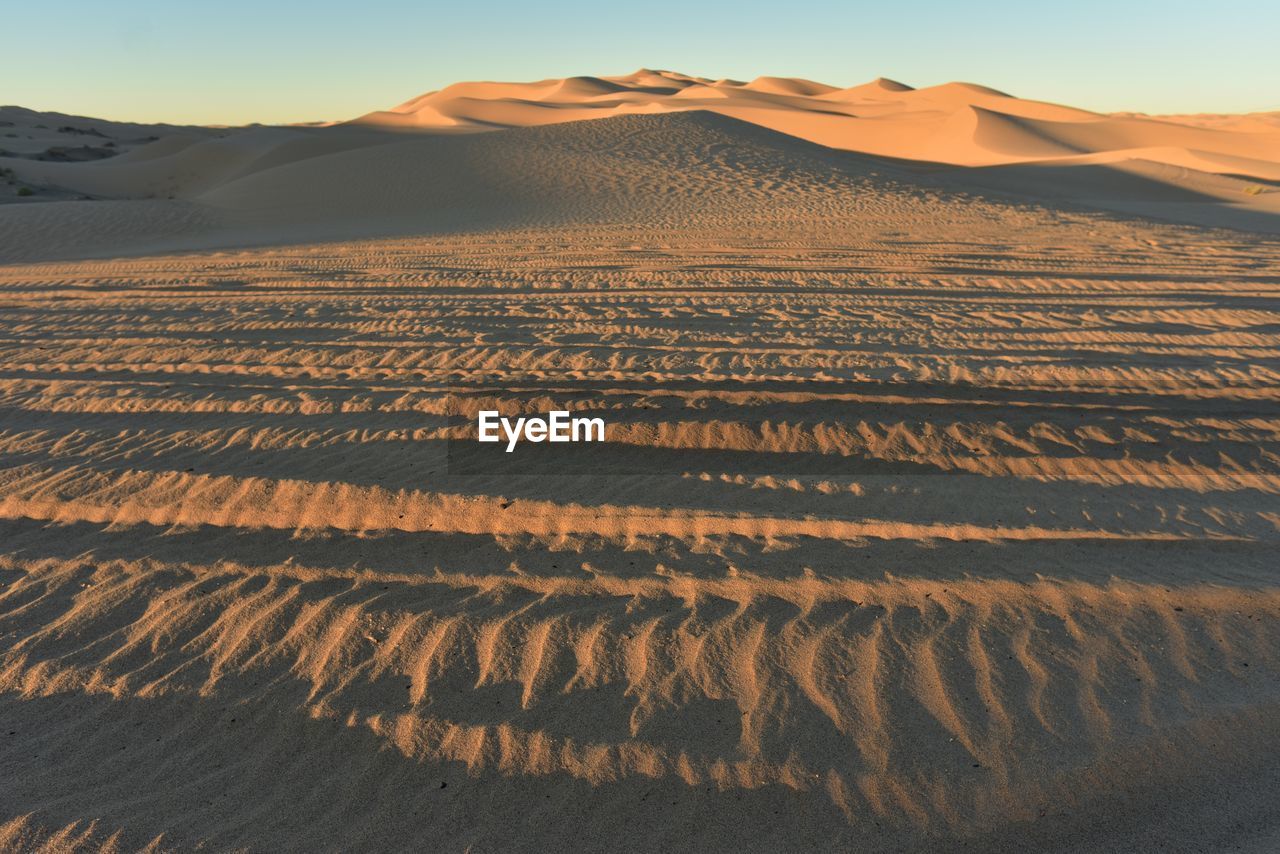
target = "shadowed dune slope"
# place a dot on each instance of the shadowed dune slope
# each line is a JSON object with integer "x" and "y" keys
{"x": 694, "y": 169}
{"x": 279, "y": 186}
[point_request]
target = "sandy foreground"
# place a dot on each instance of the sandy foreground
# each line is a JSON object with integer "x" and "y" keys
{"x": 940, "y": 508}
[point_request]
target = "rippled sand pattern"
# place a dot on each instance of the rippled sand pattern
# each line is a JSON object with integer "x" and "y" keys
{"x": 967, "y": 540}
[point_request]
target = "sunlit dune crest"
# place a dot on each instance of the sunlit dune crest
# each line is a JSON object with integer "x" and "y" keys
{"x": 954, "y": 123}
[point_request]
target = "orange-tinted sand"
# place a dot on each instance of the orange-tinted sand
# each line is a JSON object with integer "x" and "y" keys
{"x": 946, "y": 515}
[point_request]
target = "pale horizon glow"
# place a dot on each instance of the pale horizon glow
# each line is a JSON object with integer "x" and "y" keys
{"x": 275, "y": 63}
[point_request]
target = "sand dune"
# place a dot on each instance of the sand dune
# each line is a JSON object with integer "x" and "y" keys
{"x": 938, "y": 509}
{"x": 954, "y": 123}
{"x": 1248, "y": 122}
{"x": 439, "y": 163}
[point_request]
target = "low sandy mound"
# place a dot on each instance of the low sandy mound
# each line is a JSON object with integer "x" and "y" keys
{"x": 677, "y": 168}
{"x": 790, "y": 86}
{"x": 291, "y": 185}
{"x": 1128, "y": 180}
{"x": 995, "y": 137}
{"x": 881, "y": 88}
{"x": 183, "y": 166}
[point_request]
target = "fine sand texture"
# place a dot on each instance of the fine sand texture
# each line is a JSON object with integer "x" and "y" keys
{"x": 939, "y": 508}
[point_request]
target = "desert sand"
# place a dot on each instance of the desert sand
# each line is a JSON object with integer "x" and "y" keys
{"x": 943, "y": 512}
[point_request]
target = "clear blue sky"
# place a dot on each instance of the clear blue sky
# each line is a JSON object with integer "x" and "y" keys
{"x": 238, "y": 61}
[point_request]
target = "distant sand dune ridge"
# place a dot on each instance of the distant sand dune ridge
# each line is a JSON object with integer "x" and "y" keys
{"x": 653, "y": 148}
